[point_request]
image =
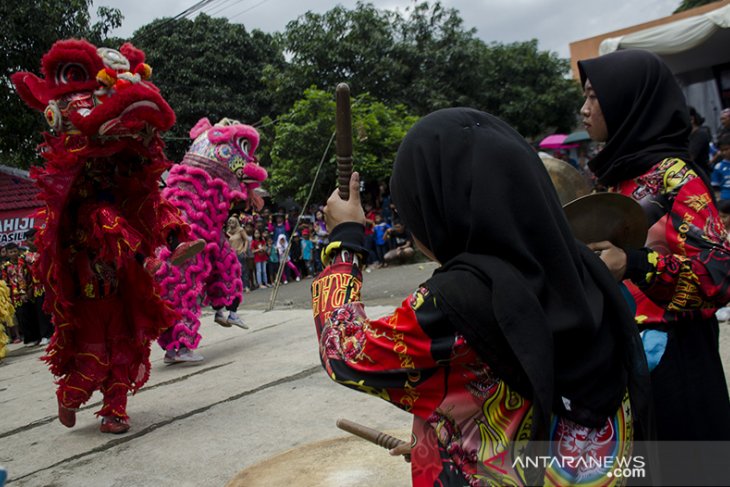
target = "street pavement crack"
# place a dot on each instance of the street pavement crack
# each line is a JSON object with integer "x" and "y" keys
{"x": 50, "y": 419}
{"x": 152, "y": 427}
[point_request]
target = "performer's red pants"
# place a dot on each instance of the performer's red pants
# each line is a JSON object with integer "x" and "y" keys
{"x": 105, "y": 357}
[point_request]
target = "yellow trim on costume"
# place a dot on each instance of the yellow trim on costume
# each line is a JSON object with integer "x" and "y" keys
{"x": 360, "y": 386}
{"x": 95, "y": 358}
{"x": 86, "y": 377}
{"x": 75, "y": 389}
{"x": 653, "y": 258}
{"x": 89, "y": 290}
{"x": 329, "y": 250}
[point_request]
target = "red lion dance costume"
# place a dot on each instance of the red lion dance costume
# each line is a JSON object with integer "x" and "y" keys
{"x": 104, "y": 214}
{"x": 218, "y": 170}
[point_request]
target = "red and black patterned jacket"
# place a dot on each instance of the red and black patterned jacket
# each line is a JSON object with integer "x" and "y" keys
{"x": 684, "y": 274}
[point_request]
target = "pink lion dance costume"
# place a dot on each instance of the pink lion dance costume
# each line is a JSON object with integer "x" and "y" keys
{"x": 104, "y": 214}
{"x": 218, "y": 170}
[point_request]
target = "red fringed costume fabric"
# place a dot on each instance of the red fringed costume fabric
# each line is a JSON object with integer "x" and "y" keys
{"x": 104, "y": 214}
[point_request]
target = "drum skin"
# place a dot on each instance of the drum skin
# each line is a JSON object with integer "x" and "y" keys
{"x": 341, "y": 462}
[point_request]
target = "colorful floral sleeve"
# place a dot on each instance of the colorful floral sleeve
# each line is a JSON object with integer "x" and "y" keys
{"x": 401, "y": 358}
{"x": 689, "y": 261}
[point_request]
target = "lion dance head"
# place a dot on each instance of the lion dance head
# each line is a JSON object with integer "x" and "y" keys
{"x": 97, "y": 101}
{"x": 230, "y": 146}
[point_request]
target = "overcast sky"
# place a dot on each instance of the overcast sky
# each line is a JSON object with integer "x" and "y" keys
{"x": 554, "y": 23}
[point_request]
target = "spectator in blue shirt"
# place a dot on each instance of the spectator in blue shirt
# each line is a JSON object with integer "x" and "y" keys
{"x": 721, "y": 172}
{"x": 381, "y": 243}
{"x": 307, "y": 252}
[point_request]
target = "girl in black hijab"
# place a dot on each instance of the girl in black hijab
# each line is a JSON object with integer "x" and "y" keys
{"x": 682, "y": 276}
{"x": 520, "y": 335}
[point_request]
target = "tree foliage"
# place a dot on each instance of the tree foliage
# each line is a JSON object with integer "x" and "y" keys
{"x": 528, "y": 88}
{"x": 436, "y": 59}
{"x": 208, "y": 67}
{"x": 340, "y": 45}
{"x": 302, "y": 135}
{"x": 426, "y": 60}
{"x": 30, "y": 27}
{"x": 397, "y": 63}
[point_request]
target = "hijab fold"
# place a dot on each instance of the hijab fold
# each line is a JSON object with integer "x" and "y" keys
{"x": 645, "y": 111}
{"x": 539, "y": 307}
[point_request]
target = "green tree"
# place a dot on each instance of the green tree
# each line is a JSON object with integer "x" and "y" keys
{"x": 355, "y": 46}
{"x": 417, "y": 59}
{"x": 435, "y": 58}
{"x": 303, "y": 133}
{"x": 30, "y": 27}
{"x": 690, "y": 4}
{"x": 209, "y": 67}
{"x": 427, "y": 60}
{"x": 528, "y": 88}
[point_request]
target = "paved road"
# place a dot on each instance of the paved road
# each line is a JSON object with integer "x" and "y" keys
{"x": 259, "y": 393}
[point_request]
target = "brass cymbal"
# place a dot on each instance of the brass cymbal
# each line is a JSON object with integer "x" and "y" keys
{"x": 608, "y": 216}
{"x": 568, "y": 181}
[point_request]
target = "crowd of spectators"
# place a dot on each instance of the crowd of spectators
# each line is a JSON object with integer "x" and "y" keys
{"x": 290, "y": 241}
{"x": 31, "y": 325}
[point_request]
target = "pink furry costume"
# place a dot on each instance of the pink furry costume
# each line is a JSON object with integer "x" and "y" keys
{"x": 104, "y": 213}
{"x": 218, "y": 170}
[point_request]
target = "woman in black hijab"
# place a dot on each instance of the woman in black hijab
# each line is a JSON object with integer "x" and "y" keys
{"x": 682, "y": 276}
{"x": 520, "y": 335}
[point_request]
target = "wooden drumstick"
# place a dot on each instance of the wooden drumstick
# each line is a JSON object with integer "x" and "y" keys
{"x": 370, "y": 434}
{"x": 343, "y": 142}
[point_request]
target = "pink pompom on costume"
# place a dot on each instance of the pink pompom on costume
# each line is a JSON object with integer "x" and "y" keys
{"x": 218, "y": 170}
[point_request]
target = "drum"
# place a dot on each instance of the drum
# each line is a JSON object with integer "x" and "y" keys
{"x": 339, "y": 462}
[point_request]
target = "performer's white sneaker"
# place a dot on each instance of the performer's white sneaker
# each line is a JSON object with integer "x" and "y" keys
{"x": 187, "y": 355}
{"x": 234, "y": 319}
{"x": 170, "y": 356}
{"x": 220, "y": 318}
{"x": 182, "y": 355}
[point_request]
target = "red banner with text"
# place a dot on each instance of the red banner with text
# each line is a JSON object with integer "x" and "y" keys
{"x": 14, "y": 224}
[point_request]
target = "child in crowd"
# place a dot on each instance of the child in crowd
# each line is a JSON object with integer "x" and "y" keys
{"x": 307, "y": 249}
{"x": 380, "y": 229}
{"x": 401, "y": 245}
{"x": 285, "y": 260}
{"x": 295, "y": 252}
{"x": 272, "y": 265}
{"x": 260, "y": 257}
{"x": 281, "y": 227}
